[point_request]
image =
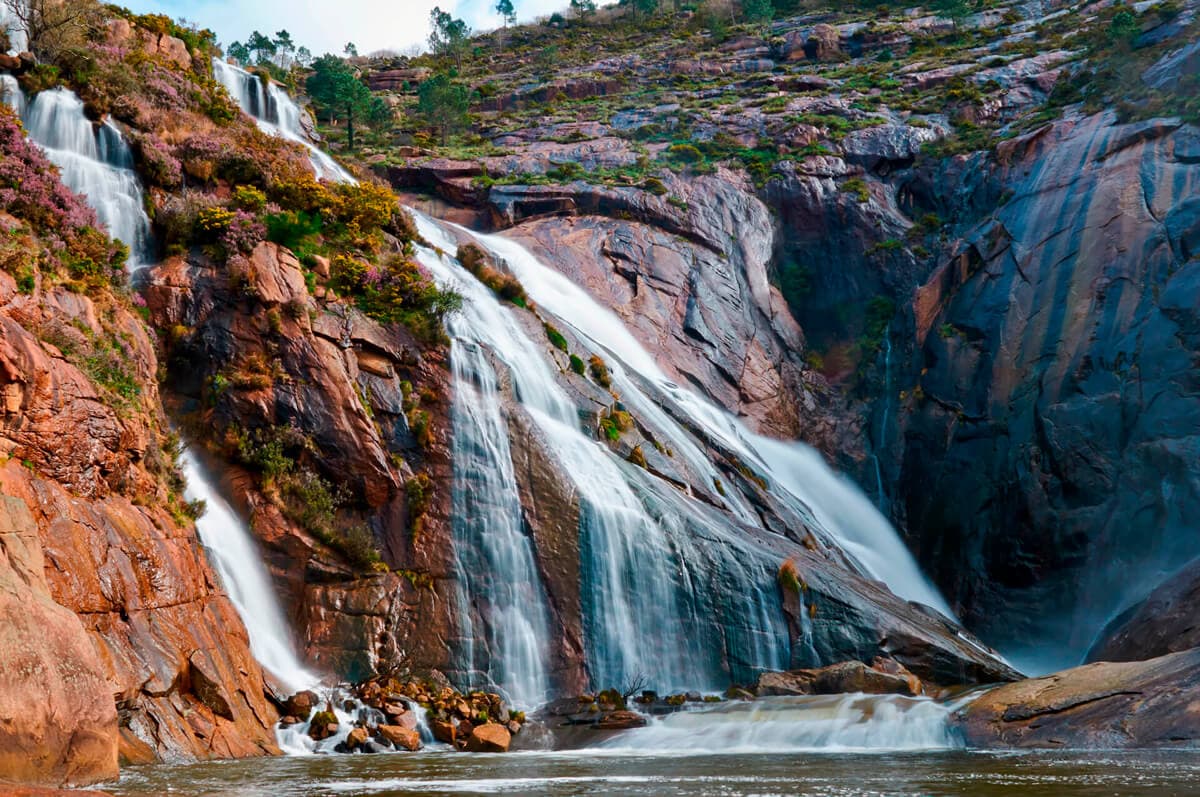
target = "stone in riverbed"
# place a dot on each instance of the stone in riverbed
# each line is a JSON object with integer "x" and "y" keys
{"x": 401, "y": 738}
{"x": 620, "y": 721}
{"x": 848, "y": 676}
{"x": 323, "y": 725}
{"x": 300, "y": 704}
{"x": 357, "y": 738}
{"x": 443, "y": 731}
{"x": 490, "y": 737}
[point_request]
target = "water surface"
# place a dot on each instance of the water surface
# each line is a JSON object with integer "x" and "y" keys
{"x": 1050, "y": 774}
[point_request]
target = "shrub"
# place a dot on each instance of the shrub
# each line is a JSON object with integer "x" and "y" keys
{"x": 685, "y": 153}
{"x": 159, "y": 166}
{"x": 789, "y": 577}
{"x": 395, "y": 292}
{"x": 599, "y": 371}
{"x": 638, "y": 457}
{"x": 556, "y": 338}
{"x": 577, "y": 364}
{"x": 249, "y": 199}
{"x": 858, "y": 187}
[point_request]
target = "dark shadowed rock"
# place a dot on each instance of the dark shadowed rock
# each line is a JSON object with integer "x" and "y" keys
{"x": 1167, "y": 621}
{"x": 1034, "y": 473}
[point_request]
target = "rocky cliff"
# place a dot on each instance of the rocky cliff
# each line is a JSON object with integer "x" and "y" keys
{"x": 925, "y": 250}
{"x": 990, "y": 277}
{"x": 119, "y": 641}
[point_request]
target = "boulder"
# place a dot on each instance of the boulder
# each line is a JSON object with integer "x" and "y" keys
{"x": 823, "y": 43}
{"x": 323, "y": 725}
{"x": 443, "y": 731}
{"x": 357, "y": 738}
{"x": 1167, "y": 621}
{"x": 891, "y": 145}
{"x": 1107, "y": 705}
{"x": 490, "y": 737}
{"x": 401, "y": 738}
{"x": 620, "y": 721}
{"x": 301, "y": 704}
{"x": 846, "y": 677}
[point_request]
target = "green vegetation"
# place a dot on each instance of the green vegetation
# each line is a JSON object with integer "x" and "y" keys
{"x": 277, "y": 454}
{"x": 340, "y": 96}
{"x": 444, "y": 105}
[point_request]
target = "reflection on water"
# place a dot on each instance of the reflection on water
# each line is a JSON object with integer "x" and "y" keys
{"x": 1051, "y": 774}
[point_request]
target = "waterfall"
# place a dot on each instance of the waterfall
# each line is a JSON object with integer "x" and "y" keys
{"x": 11, "y": 94}
{"x": 826, "y": 724}
{"x": 232, "y": 551}
{"x": 276, "y": 114}
{"x": 17, "y": 39}
{"x": 494, "y": 556}
{"x": 94, "y": 161}
{"x": 666, "y": 593}
{"x": 796, "y": 473}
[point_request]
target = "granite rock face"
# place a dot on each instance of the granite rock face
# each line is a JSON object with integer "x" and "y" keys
{"x": 1167, "y": 621}
{"x": 1143, "y": 704}
{"x": 324, "y": 373}
{"x": 127, "y": 640}
{"x": 1050, "y": 460}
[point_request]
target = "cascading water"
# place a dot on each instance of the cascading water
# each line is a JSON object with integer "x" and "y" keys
{"x": 494, "y": 556}
{"x": 11, "y": 94}
{"x": 276, "y": 114}
{"x": 94, "y": 161}
{"x": 795, "y": 472}
{"x": 232, "y": 551}
{"x": 651, "y": 566}
{"x": 826, "y": 724}
{"x": 10, "y": 24}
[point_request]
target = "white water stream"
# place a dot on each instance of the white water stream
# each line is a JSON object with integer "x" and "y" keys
{"x": 666, "y": 593}
{"x": 794, "y": 471}
{"x": 851, "y": 723}
{"x": 95, "y": 161}
{"x": 233, "y": 553}
{"x": 276, "y": 114}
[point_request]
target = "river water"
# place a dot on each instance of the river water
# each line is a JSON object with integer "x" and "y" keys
{"x": 1048, "y": 774}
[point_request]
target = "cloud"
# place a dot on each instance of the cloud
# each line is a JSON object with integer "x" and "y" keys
{"x": 327, "y": 25}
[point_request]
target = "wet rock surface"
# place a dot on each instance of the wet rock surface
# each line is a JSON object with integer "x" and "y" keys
{"x": 1032, "y": 460}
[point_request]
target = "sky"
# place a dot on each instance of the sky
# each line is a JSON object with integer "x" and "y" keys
{"x": 327, "y": 25}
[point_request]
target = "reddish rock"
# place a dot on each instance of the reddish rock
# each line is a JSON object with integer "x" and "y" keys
{"x": 357, "y": 738}
{"x": 401, "y": 738}
{"x": 620, "y": 721}
{"x": 490, "y": 737}
{"x": 61, "y": 724}
{"x": 1153, "y": 703}
{"x": 443, "y": 731}
{"x": 301, "y": 704}
{"x": 847, "y": 677}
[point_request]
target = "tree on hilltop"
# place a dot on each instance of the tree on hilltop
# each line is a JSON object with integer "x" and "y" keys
{"x": 448, "y": 36}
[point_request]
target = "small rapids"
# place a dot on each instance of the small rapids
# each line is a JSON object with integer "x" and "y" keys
{"x": 826, "y": 724}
